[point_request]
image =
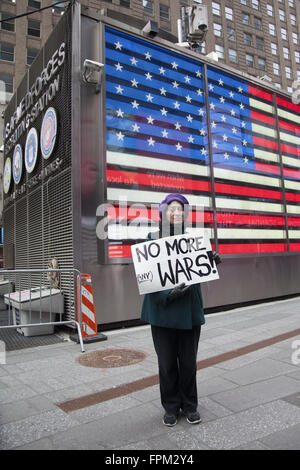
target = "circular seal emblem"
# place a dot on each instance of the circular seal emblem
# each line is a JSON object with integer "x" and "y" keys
{"x": 31, "y": 150}
{"x": 48, "y": 132}
{"x": 17, "y": 164}
{"x": 7, "y": 175}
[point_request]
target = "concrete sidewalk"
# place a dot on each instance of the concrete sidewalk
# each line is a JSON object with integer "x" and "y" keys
{"x": 247, "y": 400}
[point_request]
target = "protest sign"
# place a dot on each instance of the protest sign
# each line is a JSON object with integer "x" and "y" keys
{"x": 167, "y": 262}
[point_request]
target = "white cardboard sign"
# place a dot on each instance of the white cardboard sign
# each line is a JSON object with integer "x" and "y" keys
{"x": 167, "y": 262}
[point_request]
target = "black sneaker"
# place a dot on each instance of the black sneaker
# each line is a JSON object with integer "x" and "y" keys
{"x": 170, "y": 419}
{"x": 193, "y": 417}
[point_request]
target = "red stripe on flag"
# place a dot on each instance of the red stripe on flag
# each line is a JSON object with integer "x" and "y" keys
{"x": 288, "y": 104}
{"x": 131, "y": 178}
{"x": 290, "y": 149}
{"x": 294, "y": 246}
{"x": 260, "y": 93}
{"x": 289, "y": 127}
{"x": 294, "y": 221}
{"x": 267, "y": 168}
{"x": 249, "y": 220}
{"x": 268, "y": 144}
{"x": 246, "y": 191}
{"x": 263, "y": 117}
{"x": 119, "y": 251}
{"x": 252, "y": 248}
{"x": 293, "y": 197}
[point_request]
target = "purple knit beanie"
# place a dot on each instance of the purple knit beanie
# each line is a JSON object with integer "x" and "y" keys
{"x": 173, "y": 197}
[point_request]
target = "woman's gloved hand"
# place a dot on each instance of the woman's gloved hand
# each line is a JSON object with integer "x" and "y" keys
{"x": 177, "y": 292}
{"x": 216, "y": 258}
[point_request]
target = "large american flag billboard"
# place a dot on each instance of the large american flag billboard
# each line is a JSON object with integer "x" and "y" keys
{"x": 174, "y": 124}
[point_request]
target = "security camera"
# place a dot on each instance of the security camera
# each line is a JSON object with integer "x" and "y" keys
{"x": 92, "y": 66}
{"x": 92, "y": 73}
{"x": 151, "y": 28}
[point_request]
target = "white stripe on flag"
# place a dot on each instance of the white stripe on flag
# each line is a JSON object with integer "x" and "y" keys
{"x": 261, "y": 106}
{"x": 290, "y": 139}
{"x": 227, "y": 203}
{"x": 250, "y": 233}
{"x": 291, "y": 161}
{"x": 134, "y": 195}
{"x": 293, "y": 209}
{"x": 294, "y": 233}
{"x": 289, "y": 116}
{"x": 246, "y": 177}
{"x": 265, "y": 155}
{"x": 289, "y": 184}
{"x": 117, "y": 232}
{"x": 141, "y": 161}
{"x": 264, "y": 131}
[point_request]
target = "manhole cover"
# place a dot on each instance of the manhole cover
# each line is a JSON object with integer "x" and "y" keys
{"x": 111, "y": 358}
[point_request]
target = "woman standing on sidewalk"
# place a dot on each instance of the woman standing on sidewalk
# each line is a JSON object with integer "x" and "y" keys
{"x": 176, "y": 316}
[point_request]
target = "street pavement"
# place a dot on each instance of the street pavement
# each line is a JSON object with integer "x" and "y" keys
{"x": 248, "y": 400}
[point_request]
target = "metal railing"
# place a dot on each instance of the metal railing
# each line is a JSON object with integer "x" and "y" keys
{"x": 27, "y": 299}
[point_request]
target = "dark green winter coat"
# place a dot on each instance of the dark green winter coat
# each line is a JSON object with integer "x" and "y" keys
{"x": 182, "y": 313}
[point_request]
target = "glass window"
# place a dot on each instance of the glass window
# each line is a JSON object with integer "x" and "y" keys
{"x": 281, "y": 15}
{"x": 257, "y": 23}
{"x": 297, "y": 57}
{"x": 247, "y": 39}
{"x": 148, "y": 7}
{"x": 284, "y": 34}
{"x": 217, "y": 29}
{"x": 7, "y": 52}
{"x": 229, "y": 13}
{"x": 244, "y": 2}
{"x": 293, "y": 19}
{"x": 295, "y": 38}
{"x": 125, "y": 3}
{"x": 216, "y": 8}
{"x": 164, "y": 12}
{"x": 6, "y": 24}
{"x": 246, "y": 19}
{"x": 31, "y": 55}
{"x": 298, "y": 74}
{"x": 274, "y": 48}
{"x": 232, "y": 55}
{"x": 275, "y": 68}
{"x": 259, "y": 43}
{"x": 286, "y": 53}
{"x": 288, "y": 72}
{"x": 220, "y": 51}
{"x": 261, "y": 63}
{"x": 272, "y": 29}
{"x": 230, "y": 33}
{"x": 255, "y": 4}
{"x": 6, "y": 88}
{"x": 278, "y": 85}
{"x": 291, "y": 3}
{"x": 270, "y": 9}
{"x": 34, "y": 28}
{"x": 34, "y": 3}
{"x": 249, "y": 60}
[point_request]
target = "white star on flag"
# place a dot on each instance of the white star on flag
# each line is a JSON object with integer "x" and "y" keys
{"x": 246, "y": 160}
{"x": 225, "y": 138}
{"x": 203, "y": 151}
{"x": 223, "y": 118}
{"x": 177, "y": 126}
{"x": 191, "y": 139}
{"x": 119, "y": 89}
{"x": 174, "y": 65}
{"x": 148, "y": 56}
{"x": 188, "y": 99}
{"x": 235, "y": 149}
{"x": 148, "y": 76}
{"x": 120, "y": 136}
{"x": 164, "y": 112}
{"x": 199, "y": 92}
{"x": 189, "y": 118}
{"x": 221, "y": 82}
{"x": 187, "y": 79}
{"x": 164, "y": 133}
{"x": 162, "y": 91}
{"x": 175, "y": 84}
{"x": 134, "y": 83}
{"x": 234, "y": 130}
{"x": 135, "y": 104}
{"x": 135, "y": 127}
{"x": 199, "y": 74}
{"x": 150, "y": 120}
{"x": 149, "y": 97}
{"x": 151, "y": 142}
{"x": 133, "y": 61}
{"x": 118, "y": 45}
{"x": 120, "y": 113}
{"x": 226, "y": 156}
{"x": 119, "y": 67}
{"x": 162, "y": 71}
{"x": 178, "y": 146}
{"x": 176, "y": 105}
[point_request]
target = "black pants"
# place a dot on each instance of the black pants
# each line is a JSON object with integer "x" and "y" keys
{"x": 177, "y": 362}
